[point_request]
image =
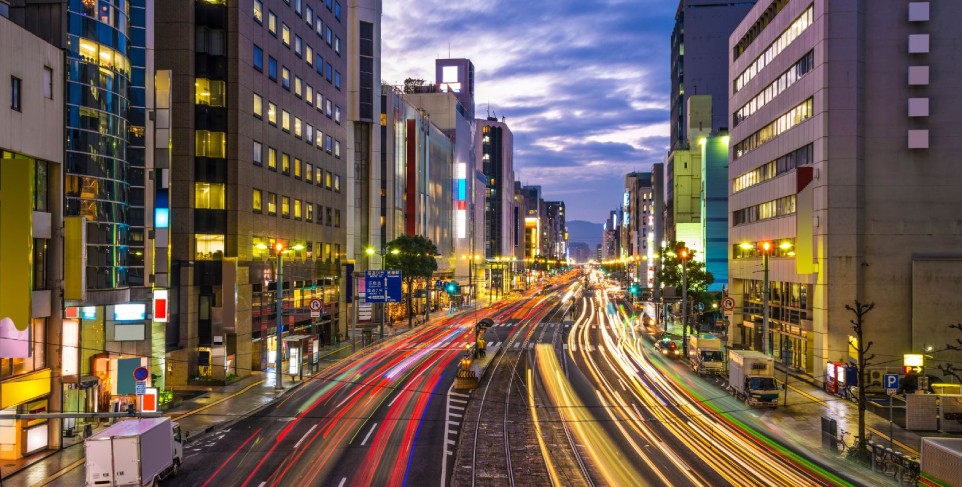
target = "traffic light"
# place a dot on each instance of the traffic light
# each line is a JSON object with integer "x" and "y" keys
{"x": 451, "y": 288}
{"x": 633, "y": 289}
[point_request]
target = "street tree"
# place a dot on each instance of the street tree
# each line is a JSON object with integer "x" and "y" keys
{"x": 414, "y": 257}
{"x": 864, "y": 360}
{"x": 670, "y": 273}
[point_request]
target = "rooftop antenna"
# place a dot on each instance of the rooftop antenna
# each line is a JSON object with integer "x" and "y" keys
{"x": 449, "y": 49}
{"x": 489, "y": 108}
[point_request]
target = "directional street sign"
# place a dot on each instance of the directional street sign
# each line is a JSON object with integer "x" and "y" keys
{"x": 382, "y": 286}
{"x": 891, "y": 383}
{"x": 315, "y": 308}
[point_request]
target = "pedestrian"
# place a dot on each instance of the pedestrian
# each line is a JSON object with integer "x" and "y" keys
{"x": 482, "y": 344}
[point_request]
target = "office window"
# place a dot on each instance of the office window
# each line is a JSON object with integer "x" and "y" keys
{"x": 298, "y": 89}
{"x": 309, "y": 94}
{"x": 258, "y": 11}
{"x": 337, "y": 10}
{"x": 208, "y": 247}
{"x": 330, "y": 216}
{"x": 297, "y": 209}
{"x": 210, "y": 144}
{"x": 258, "y": 106}
{"x": 272, "y": 23}
{"x": 328, "y": 36}
{"x": 286, "y": 78}
{"x": 258, "y": 155}
{"x": 285, "y": 121}
{"x": 328, "y": 178}
{"x": 256, "y": 202}
{"x": 319, "y": 26}
{"x": 298, "y": 45}
{"x": 272, "y": 158}
{"x": 319, "y": 100}
{"x": 297, "y": 168}
{"x": 258, "y": 58}
{"x": 47, "y": 83}
{"x": 319, "y": 140}
{"x": 309, "y": 172}
{"x": 209, "y": 196}
{"x": 337, "y": 79}
{"x": 308, "y": 211}
{"x": 271, "y": 68}
{"x": 272, "y": 113}
{"x": 298, "y": 7}
{"x": 337, "y": 183}
{"x": 328, "y": 108}
{"x": 309, "y": 15}
{"x": 285, "y": 207}
{"x": 329, "y": 4}
{"x": 319, "y": 177}
{"x": 210, "y": 92}
{"x": 319, "y": 61}
{"x": 337, "y": 149}
{"x": 271, "y": 203}
{"x": 329, "y": 145}
{"x": 285, "y": 164}
{"x": 285, "y": 35}
{"x": 337, "y": 45}
{"x": 297, "y": 127}
{"x": 309, "y": 54}
{"x": 15, "y": 87}
{"x": 328, "y": 72}
{"x": 337, "y": 114}
{"x": 309, "y": 133}
{"x": 337, "y": 218}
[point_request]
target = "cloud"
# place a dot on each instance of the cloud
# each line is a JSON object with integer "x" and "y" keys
{"x": 583, "y": 85}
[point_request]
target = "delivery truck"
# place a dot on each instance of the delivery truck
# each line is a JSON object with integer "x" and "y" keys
{"x": 751, "y": 376}
{"x": 705, "y": 354}
{"x": 133, "y": 452}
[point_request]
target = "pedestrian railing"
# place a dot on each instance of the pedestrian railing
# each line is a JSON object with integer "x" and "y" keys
{"x": 904, "y": 468}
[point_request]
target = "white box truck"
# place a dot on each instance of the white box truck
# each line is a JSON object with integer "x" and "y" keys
{"x": 751, "y": 376}
{"x": 705, "y": 354}
{"x": 133, "y": 452}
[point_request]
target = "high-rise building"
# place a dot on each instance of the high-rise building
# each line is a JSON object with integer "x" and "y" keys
{"x": 258, "y": 202}
{"x": 556, "y": 230}
{"x": 638, "y": 234}
{"x": 494, "y": 152}
{"x": 714, "y": 209}
{"x": 457, "y": 76}
{"x": 31, "y": 216}
{"x": 843, "y": 158}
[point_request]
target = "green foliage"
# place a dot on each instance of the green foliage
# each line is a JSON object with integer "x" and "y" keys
{"x": 670, "y": 272}
{"x": 165, "y": 396}
{"x": 413, "y": 255}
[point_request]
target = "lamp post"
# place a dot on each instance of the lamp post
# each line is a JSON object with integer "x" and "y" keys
{"x": 279, "y": 357}
{"x": 370, "y": 252}
{"x": 766, "y": 247}
{"x": 683, "y": 254}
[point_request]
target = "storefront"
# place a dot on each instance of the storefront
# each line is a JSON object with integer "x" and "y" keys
{"x": 24, "y": 394}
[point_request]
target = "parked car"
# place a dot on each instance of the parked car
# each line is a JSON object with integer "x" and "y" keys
{"x": 668, "y": 346}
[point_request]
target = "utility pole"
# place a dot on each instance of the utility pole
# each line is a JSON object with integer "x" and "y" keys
{"x": 766, "y": 248}
{"x": 278, "y": 376}
{"x": 683, "y": 253}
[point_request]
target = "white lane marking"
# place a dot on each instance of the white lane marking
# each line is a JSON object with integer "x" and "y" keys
{"x": 342, "y": 482}
{"x": 369, "y": 434}
{"x": 451, "y": 442}
{"x": 304, "y": 437}
{"x": 624, "y": 386}
{"x": 392, "y": 400}
{"x": 517, "y": 344}
{"x": 636, "y": 410}
{"x": 456, "y": 415}
{"x": 262, "y": 484}
{"x": 347, "y": 398}
{"x": 460, "y": 400}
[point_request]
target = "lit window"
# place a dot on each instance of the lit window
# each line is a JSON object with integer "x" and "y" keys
{"x": 285, "y": 121}
{"x": 286, "y": 78}
{"x": 258, "y": 106}
{"x": 285, "y": 34}
{"x": 337, "y": 114}
{"x": 337, "y": 183}
{"x": 337, "y": 44}
{"x": 209, "y": 92}
{"x": 286, "y": 163}
{"x": 318, "y": 177}
{"x": 257, "y": 203}
{"x": 319, "y": 140}
{"x": 272, "y": 23}
{"x": 319, "y": 26}
{"x": 272, "y": 158}
{"x": 308, "y": 15}
{"x": 297, "y": 6}
{"x": 258, "y": 11}
{"x": 337, "y": 148}
{"x": 271, "y": 203}
{"x": 209, "y": 247}
{"x": 272, "y": 113}
{"x": 328, "y": 108}
{"x": 308, "y": 211}
{"x": 328, "y": 177}
{"x": 309, "y": 133}
{"x": 337, "y": 218}
{"x": 297, "y": 127}
{"x": 309, "y": 54}
{"x": 297, "y": 168}
{"x": 297, "y": 209}
{"x": 309, "y": 94}
{"x": 328, "y": 36}
{"x": 309, "y": 172}
{"x": 285, "y": 207}
{"x": 298, "y": 45}
{"x": 319, "y": 100}
{"x": 298, "y": 88}
{"x": 329, "y": 144}
{"x": 209, "y": 196}
{"x": 258, "y": 153}
{"x": 210, "y": 144}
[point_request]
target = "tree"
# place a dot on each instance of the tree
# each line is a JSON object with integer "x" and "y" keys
{"x": 416, "y": 85}
{"x": 670, "y": 273}
{"x": 415, "y": 259}
{"x": 950, "y": 369}
{"x": 864, "y": 359}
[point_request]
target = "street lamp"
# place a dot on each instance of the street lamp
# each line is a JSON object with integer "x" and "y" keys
{"x": 370, "y": 253}
{"x": 766, "y": 248}
{"x": 683, "y": 255}
{"x": 279, "y": 251}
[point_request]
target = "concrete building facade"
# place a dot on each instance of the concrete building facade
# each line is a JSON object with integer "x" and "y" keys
{"x": 843, "y": 157}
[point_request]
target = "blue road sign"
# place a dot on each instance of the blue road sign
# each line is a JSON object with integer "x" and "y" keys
{"x": 382, "y": 286}
{"x": 891, "y": 381}
{"x": 438, "y": 284}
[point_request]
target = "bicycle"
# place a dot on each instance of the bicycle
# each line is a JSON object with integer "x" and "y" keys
{"x": 842, "y": 446}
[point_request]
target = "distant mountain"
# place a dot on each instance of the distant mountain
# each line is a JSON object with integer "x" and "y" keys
{"x": 584, "y": 231}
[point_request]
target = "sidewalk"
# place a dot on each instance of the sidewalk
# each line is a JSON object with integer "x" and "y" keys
{"x": 218, "y": 406}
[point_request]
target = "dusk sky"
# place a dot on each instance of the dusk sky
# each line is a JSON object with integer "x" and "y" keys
{"x": 583, "y": 85}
